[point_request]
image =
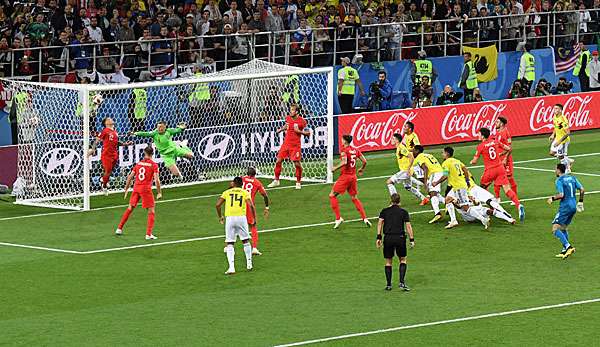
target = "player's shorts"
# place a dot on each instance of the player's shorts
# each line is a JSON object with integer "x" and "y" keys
{"x": 561, "y": 149}
{"x": 394, "y": 244}
{"x": 292, "y": 152}
{"x": 496, "y": 175}
{"x": 170, "y": 158}
{"x": 434, "y": 177}
{"x": 564, "y": 216}
{"x": 236, "y": 226}
{"x": 469, "y": 218}
{"x": 249, "y": 218}
{"x": 346, "y": 183}
{"x": 401, "y": 177}
{"x": 417, "y": 171}
{"x": 480, "y": 194}
{"x": 460, "y": 196}
{"x": 146, "y": 196}
{"x": 510, "y": 167}
{"x": 109, "y": 162}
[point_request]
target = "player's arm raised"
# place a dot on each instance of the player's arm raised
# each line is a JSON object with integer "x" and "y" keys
{"x": 220, "y": 202}
{"x": 94, "y": 147}
{"x": 158, "y": 189}
{"x": 128, "y": 183}
{"x": 363, "y": 160}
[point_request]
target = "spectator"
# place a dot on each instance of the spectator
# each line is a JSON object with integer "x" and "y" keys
{"x": 189, "y": 49}
{"x": 81, "y": 52}
{"x": 248, "y": 9}
{"x": 594, "y": 69}
{"x": 241, "y": 44}
{"x": 213, "y": 10}
{"x": 422, "y": 93}
{"x": 448, "y": 96}
{"x": 321, "y": 48}
{"x": 38, "y": 29}
{"x": 584, "y": 19}
{"x": 5, "y": 57}
{"x": 58, "y": 58}
{"x": 275, "y": 20}
{"x": 106, "y": 63}
{"x": 517, "y": 91}
{"x": 95, "y": 31}
{"x": 301, "y": 43}
{"x": 162, "y": 50}
{"x": 477, "y": 97}
{"x": 145, "y": 47}
{"x": 562, "y": 87}
{"x": 215, "y": 46}
{"x": 111, "y": 34}
{"x": 542, "y": 88}
{"x": 235, "y": 15}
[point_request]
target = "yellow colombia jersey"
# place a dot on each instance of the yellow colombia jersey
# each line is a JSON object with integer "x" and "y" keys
{"x": 561, "y": 125}
{"x": 432, "y": 164}
{"x": 402, "y": 157}
{"x": 410, "y": 141}
{"x": 453, "y": 169}
{"x": 235, "y": 201}
{"x": 471, "y": 181}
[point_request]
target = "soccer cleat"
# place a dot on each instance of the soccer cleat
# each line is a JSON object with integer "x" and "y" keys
{"x": 367, "y": 223}
{"x": 338, "y": 222}
{"x": 388, "y": 288}
{"x": 436, "y": 218}
{"x": 298, "y": 186}
{"x": 521, "y": 213}
{"x": 225, "y": 249}
{"x": 424, "y": 202}
{"x": 404, "y": 287}
{"x": 451, "y": 225}
{"x": 119, "y": 232}
{"x": 275, "y": 183}
{"x": 151, "y": 237}
{"x": 249, "y": 265}
{"x": 486, "y": 223}
{"x": 568, "y": 252}
{"x": 230, "y": 272}
{"x": 105, "y": 191}
{"x": 561, "y": 254}
{"x": 513, "y": 222}
{"x": 255, "y": 251}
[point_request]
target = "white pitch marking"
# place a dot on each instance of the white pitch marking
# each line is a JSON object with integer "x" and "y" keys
{"x": 549, "y": 170}
{"x": 441, "y": 322}
{"x": 58, "y": 250}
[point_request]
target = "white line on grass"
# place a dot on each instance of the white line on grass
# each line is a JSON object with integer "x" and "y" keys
{"x": 549, "y": 170}
{"x": 441, "y": 322}
{"x": 277, "y": 188}
{"x": 154, "y": 244}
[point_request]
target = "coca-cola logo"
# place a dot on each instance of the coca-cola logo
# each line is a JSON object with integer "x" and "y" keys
{"x": 368, "y": 133}
{"x": 466, "y": 125}
{"x": 575, "y": 109}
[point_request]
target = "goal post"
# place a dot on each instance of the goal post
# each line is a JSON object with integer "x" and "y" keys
{"x": 230, "y": 116}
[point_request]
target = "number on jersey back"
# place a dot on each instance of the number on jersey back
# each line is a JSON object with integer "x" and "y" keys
{"x": 352, "y": 155}
{"x": 490, "y": 151}
{"x": 144, "y": 174}
{"x": 252, "y": 185}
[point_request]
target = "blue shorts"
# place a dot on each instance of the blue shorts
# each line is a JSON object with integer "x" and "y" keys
{"x": 564, "y": 216}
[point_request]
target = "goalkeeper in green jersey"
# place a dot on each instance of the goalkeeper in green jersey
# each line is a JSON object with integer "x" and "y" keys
{"x": 168, "y": 149}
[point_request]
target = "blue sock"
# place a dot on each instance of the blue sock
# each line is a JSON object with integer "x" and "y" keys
{"x": 563, "y": 239}
{"x": 566, "y": 233}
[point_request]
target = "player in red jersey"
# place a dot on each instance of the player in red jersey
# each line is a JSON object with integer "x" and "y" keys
{"x": 252, "y": 185}
{"x": 505, "y": 140}
{"x": 145, "y": 172}
{"x": 347, "y": 182}
{"x": 291, "y": 147}
{"x": 494, "y": 171}
{"x": 110, "y": 150}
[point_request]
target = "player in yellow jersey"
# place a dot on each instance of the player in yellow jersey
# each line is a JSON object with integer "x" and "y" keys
{"x": 236, "y": 201}
{"x": 432, "y": 172}
{"x": 560, "y": 137}
{"x": 410, "y": 139}
{"x": 458, "y": 178}
{"x": 405, "y": 163}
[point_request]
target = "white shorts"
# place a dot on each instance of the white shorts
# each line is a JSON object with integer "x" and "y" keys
{"x": 460, "y": 196}
{"x": 418, "y": 171}
{"x": 467, "y": 217}
{"x": 434, "y": 177}
{"x": 480, "y": 194}
{"x": 561, "y": 149}
{"x": 401, "y": 177}
{"x": 236, "y": 226}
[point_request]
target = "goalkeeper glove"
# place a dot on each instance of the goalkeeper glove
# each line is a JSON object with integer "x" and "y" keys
{"x": 580, "y": 207}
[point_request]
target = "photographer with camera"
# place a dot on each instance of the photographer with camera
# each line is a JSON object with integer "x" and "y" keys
{"x": 518, "y": 90}
{"x": 563, "y": 87}
{"x": 422, "y": 92}
{"x": 380, "y": 93}
{"x": 542, "y": 88}
{"x": 448, "y": 96}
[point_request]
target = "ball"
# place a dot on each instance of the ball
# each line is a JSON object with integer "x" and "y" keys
{"x": 97, "y": 99}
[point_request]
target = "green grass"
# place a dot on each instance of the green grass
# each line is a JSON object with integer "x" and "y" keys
{"x": 311, "y": 282}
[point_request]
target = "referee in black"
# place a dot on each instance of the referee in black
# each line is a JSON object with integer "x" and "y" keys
{"x": 394, "y": 222}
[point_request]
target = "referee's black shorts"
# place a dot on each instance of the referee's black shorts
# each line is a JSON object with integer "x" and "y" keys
{"x": 393, "y": 245}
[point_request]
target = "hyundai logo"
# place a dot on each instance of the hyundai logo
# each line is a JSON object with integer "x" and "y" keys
{"x": 216, "y": 147}
{"x": 60, "y": 162}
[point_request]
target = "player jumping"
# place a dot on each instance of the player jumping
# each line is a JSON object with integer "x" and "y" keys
{"x": 253, "y": 185}
{"x": 291, "y": 147}
{"x": 432, "y": 173}
{"x": 493, "y": 171}
{"x": 405, "y": 161}
{"x": 503, "y": 137}
{"x": 236, "y": 200}
{"x": 110, "y": 150}
{"x": 560, "y": 138}
{"x": 168, "y": 149}
{"x": 145, "y": 172}
{"x": 348, "y": 182}
{"x": 566, "y": 185}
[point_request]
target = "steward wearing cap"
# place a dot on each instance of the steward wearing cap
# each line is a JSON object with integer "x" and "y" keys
{"x": 347, "y": 79}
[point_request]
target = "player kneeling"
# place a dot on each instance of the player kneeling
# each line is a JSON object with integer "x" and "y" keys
{"x": 145, "y": 172}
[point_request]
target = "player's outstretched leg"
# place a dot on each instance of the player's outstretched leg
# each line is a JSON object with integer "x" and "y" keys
{"x": 451, "y": 212}
{"x": 359, "y": 207}
{"x": 278, "y": 167}
{"x": 335, "y": 206}
{"x": 298, "y": 166}
{"x": 513, "y": 184}
{"x": 497, "y": 191}
{"x": 124, "y": 219}
{"x": 230, "y": 251}
{"x": 479, "y": 215}
{"x": 435, "y": 204}
{"x": 150, "y": 225}
{"x": 500, "y": 212}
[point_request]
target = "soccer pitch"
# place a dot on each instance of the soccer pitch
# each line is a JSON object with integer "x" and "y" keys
{"x": 67, "y": 280}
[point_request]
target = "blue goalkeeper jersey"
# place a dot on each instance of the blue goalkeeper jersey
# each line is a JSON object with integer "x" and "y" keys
{"x": 568, "y": 186}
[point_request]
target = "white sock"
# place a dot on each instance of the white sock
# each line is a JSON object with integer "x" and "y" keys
{"x": 503, "y": 215}
{"x": 392, "y": 189}
{"x": 476, "y": 213}
{"x": 416, "y": 192}
{"x": 435, "y": 203}
{"x": 231, "y": 257}
{"x": 248, "y": 251}
{"x": 565, "y": 160}
{"x": 451, "y": 213}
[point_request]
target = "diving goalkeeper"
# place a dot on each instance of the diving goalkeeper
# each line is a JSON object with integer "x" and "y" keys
{"x": 168, "y": 149}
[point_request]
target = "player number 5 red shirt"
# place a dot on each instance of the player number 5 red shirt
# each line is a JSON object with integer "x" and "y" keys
{"x": 352, "y": 154}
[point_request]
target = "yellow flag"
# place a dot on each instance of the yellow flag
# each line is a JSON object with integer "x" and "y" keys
{"x": 485, "y": 61}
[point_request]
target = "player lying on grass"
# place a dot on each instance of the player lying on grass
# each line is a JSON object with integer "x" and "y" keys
{"x": 405, "y": 160}
{"x": 432, "y": 172}
{"x": 144, "y": 173}
{"x": 481, "y": 196}
{"x": 168, "y": 149}
{"x": 110, "y": 150}
{"x": 560, "y": 137}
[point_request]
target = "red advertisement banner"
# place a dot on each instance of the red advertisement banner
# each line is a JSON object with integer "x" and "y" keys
{"x": 459, "y": 123}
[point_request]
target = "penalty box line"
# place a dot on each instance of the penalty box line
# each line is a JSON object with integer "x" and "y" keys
{"x": 269, "y": 189}
{"x": 442, "y": 322}
{"x": 204, "y": 238}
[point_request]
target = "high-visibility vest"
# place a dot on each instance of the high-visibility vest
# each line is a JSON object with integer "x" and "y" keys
{"x": 529, "y": 66}
{"x": 201, "y": 91}
{"x": 292, "y": 89}
{"x": 580, "y": 62}
{"x": 21, "y": 99}
{"x": 472, "y": 79}
{"x": 140, "y": 105}
{"x": 79, "y": 109}
{"x": 423, "y": 67}
{"x": 350, "y": 75}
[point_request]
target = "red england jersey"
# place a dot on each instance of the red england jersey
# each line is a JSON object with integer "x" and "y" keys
{"x": 252, "y": 185}
{"x": 110, "y": 142}
{"x": 352, "y": 154}
{"x": 292, "y": 137}
{"x": 490, "y": 150}
{"x": 144, "y": 174}
{"x": 504, "y": 138}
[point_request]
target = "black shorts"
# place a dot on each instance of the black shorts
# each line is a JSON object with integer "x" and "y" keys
{"x": 394, "y": 245}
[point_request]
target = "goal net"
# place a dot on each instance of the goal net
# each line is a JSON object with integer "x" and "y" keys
{"x": 231, "y": 118}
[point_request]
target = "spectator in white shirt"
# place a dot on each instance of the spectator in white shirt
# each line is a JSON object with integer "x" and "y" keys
{"x": 235, "y": 15}
{"x": 213, "y": 10}
{"x": 95, "y": 31}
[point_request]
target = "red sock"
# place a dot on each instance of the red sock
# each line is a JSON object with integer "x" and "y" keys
{"x": 513, "y": 184}
{"x": 105, "y": 180}
{"x": 150, "y": 223}
{"x": 359, "y": 208}
{"x": 254, "y": 233}
{"x": 277, "y": 170}
{"x": 335, "y": 206}
{"x": 513, "y": 196}
{"x": 298, "y": 173}
{"x": 497, "y": 191}
{"x": 125, "y": 218}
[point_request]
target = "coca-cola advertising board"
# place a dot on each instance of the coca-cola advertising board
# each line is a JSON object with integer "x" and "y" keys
{"x": 373, "y": 131}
